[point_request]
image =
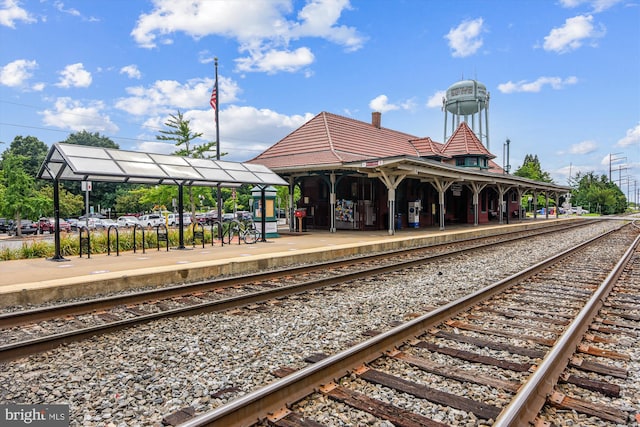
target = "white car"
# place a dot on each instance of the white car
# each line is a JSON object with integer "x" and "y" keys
{"x": 128, "y": 221}
{"x": 151, "y": 220}
{"x": 105, "y": 223}
{"x": 174, "y": 219}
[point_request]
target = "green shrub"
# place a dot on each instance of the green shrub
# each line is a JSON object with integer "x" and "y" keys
{"x": 70, "y": 243}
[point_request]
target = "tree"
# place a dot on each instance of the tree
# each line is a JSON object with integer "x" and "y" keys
{"x": 181, "y": 134}
{"x": 70, "y": 204}
{"x": 127, "y": 200}
{"x": 32, "y": 149}
{"x": 103, "y": 194}
{"x": 91, "y": 140}
{"x": 531, "y": 169}
{"x": 20, "y": 197}
{"x": 598, "y": 194}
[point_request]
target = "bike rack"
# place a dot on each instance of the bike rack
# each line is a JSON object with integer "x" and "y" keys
{"x": 218, "y": 225}
{"x": 162, "y": 236}
{"x": 199, "y": 234}
{"x": 135, "y": 227}
{"x": 85, "y": 240}
{"x": 109, "y": 240}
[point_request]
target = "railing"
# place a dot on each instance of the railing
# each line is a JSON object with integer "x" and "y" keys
{"x": 115, "y": 228}
{"x": 217, "y": 225}
{"x": 198, "y": 233}
{"x": 135, "y": 228}
{"x": 162, "y": 235}
{"x": 85, "y": 240}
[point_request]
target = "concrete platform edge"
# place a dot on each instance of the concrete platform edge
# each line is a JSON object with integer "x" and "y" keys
{"x": 87, "y": 285}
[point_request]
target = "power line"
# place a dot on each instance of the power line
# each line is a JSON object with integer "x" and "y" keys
{"x": 143, "y": 126}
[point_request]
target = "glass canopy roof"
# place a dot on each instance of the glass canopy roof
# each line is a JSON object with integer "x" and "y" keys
{"x": 70, "y": 162}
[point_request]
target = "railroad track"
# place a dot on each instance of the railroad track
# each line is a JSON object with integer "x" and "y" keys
{"x": 493, "y": 357}
{"x": 30, "y": 331}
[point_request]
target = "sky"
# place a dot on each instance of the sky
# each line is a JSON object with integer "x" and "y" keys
{"x": 563, "y": 76}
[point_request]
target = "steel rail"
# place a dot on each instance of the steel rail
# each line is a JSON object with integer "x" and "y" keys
{"x": 529, "y": 400}
{"x": 22, "y": 348}
{"x": 16, "y": 318}
{"x": 277, "y": 396}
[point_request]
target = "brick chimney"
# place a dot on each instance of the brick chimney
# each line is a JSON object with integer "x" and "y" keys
{"x": 376, "y": 119}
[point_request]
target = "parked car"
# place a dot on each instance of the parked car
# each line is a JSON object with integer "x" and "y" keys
{"x": 49, "y": 225}
{"x": 4, "y": 225}
{"x": 173, "y": 219}
{"x": 244, "y": 216}
{"x": 151, "y": 220}
{"x": 228, "y": 217}
{"x": 26, "y": 227}
{"x": 73, "y": 222}
{"x": 90, "y": 223}
{"x": 105, "y": 223}
{"x": 127, "y": 221}
{"x": 207, "y": 217}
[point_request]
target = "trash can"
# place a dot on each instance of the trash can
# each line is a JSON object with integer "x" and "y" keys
{"x": 399, "y": 221}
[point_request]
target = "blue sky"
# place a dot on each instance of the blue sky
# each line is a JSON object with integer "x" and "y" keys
{"x": 563, "y": 76}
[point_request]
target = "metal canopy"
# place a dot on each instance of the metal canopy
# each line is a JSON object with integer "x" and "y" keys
{"x": 70, "y": 162}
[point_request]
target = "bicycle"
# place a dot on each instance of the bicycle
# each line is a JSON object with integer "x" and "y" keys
{"x": 246, "y": 231}
{"x": 250, "y": 235}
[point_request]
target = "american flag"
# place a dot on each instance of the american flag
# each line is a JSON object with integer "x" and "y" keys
{"x": 214, "y": 96}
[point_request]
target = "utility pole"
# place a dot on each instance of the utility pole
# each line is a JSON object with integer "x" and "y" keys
{"x": 614, "y": 159}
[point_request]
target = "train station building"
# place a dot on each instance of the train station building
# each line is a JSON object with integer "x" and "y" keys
{"x": 356, "y": 175}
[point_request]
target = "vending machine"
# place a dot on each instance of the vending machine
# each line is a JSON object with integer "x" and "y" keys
{"x": 413, "y": 219}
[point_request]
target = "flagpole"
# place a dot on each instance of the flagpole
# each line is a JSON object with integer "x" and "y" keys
{"x": 219, "y": 190}
{"x": 217, "y": 123}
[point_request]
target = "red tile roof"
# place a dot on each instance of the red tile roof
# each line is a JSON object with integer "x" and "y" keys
{"x": 494, "y": 167}
{"x": 429, "y": 148}
{"x": 464, "y": 142}
{"x": 331, "y": 139}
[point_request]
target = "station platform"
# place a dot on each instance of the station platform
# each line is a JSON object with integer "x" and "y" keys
{"x": 33, "y": 281}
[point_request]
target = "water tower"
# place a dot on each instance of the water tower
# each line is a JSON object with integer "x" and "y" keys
{"x": 465, "y": 100}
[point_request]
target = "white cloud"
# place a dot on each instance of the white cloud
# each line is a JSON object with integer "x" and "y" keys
{"x": 274, "y": 61}
{"x": 584, "y": 147}
{"x": 131, "y": 71}
{"x": 596, "y": 5}
{"x": 262, "y": 28}
{"x": 465, "y": 39}
{"x": 167, "y": 96}
{"x": 318, "y": 19}
{"x": 71, "y": 11}
{"x": 573, "y": 34}
{"x": 74, "y": 75}
{"x": 10, "y": 12}
{"x": 240, "y": 141}
{"x": 381, "y": 104}
{"x": 16, "y": 73}
{"x": 436, "y": 100}
{"x": 556, "y": 83}
{"x": 631, "y": 138}
{"x": 73, "y": 115}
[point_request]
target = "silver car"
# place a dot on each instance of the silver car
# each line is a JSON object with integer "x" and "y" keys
{"x": 128, "y": 221}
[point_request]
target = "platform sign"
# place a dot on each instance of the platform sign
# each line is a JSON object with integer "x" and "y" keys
{"x": 86, "y": 185}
